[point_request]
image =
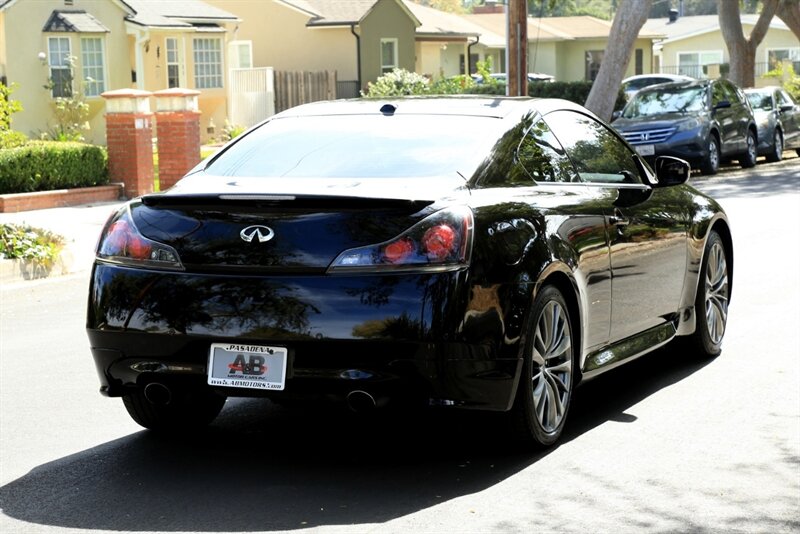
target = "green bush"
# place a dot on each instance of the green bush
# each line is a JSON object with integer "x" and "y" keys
{"x": 399, "y": 82}
{"x": 498, "y": 89}
{"x": 576, "y": 92}
{"x": 44, "y": 166}
{"x": 11, "y": 139}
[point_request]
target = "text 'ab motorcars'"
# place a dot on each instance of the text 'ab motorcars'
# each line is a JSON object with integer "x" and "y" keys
{"x": 478, "y": 253}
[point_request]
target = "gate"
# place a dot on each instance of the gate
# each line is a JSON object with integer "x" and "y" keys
{"x": 252, "y": 95}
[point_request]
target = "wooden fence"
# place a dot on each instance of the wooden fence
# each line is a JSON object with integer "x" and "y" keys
{"x": 295, "y": 88}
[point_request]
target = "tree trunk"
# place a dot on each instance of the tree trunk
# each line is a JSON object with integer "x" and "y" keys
{"x": 789, "y": 13}
{"x": 742, "y": 50}
{"x": 629, "y": 19}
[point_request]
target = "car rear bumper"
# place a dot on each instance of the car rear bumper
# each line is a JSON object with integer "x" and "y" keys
{"x": 411, "y": 336}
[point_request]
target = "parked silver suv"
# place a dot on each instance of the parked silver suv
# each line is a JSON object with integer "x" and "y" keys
{"x": 703, "y": 122}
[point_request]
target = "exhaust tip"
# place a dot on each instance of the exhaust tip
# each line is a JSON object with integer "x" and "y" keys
{"x": 157, "y": 393}
{"x": 360, "y": 401}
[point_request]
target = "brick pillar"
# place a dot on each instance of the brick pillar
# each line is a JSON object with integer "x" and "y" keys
{"x": 129, "y": 137}
{"x": 178, "y": 128}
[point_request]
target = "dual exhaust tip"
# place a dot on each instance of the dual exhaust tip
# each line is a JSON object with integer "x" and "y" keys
{"x": 358, "y": 401}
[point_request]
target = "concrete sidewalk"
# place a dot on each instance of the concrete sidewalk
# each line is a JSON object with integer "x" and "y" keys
{"x": 79, "y": 225}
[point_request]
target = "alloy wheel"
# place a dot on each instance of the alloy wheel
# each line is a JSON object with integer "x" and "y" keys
{"x": 717, "y": 293}
{"x": 713, "y": 154}
{"x": 552, "y": 366}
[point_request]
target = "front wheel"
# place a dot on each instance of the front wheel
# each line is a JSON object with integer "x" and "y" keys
{"x": 748, "y": 159}
{"x": 711, "y": 302}
{"x": 710, "y": 163}
{"x": 545, "y": 388}
{"x": 173, "y": 411}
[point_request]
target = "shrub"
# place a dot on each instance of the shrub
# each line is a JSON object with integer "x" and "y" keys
{"x": 576, "y": 92}
{"x": 791, "y": 80}
{"x": 44, "y": 166}
{"x": 452, "y": 86}
{"x": 399, "y": 82}
{"x": 7, "y": 106}
{"x": 40, "y": 247}
{"x": 11, "y": 139}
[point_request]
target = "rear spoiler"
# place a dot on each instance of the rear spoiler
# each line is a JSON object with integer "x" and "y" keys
{"x": 323, "y": 202}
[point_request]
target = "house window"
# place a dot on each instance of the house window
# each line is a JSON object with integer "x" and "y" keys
{"x": 776, "y": 55}
{"x": 388, "y": 55}
{"x": 93, "y": 61}
{"x": 593, "y": 60}
{"x": 639, "y": 61}
{"x": 173, "y": 63}
{"x": 60, "y": 68}
{"x": 473, "y": 61}
{"x": 208, "y": 63}
{"x": 693, "y": 63}
{"x": 240, "y": 54}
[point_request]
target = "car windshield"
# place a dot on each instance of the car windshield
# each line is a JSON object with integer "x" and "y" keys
{"x": 363, "y": 146}
{"x": 760, "y": 101}
{"x": 670, "y": 100}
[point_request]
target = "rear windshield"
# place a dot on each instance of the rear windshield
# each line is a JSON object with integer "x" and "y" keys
{"x": 670, "y": 100}
{"x": 364, "y": 146}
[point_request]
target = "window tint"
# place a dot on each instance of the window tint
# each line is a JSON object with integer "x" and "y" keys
{"x": 595, "y": 151}
{"x": 542, "y": 156}
{"x": 368, "y": 146}
{"x": 760, "y": 101}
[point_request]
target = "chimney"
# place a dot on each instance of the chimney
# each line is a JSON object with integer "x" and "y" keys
{"x": 489, "y": 6}
{"x": 673, "y": 15}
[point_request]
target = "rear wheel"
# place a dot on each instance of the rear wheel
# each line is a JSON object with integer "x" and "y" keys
{"x": 711, "y": 302}
{"x": 748, "y": 159}
{"x": 776, "y": 151}
{"x": 545, "y": 388}
{"x": 710, "y": 163}
{"x": 173, "y": 411}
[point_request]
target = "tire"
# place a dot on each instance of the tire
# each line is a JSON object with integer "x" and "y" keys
{"x": 710, "y": 163}
{"x": 748, "y": 159}
{"x": 548, "y": 372}
{"x": 711, "y": 301}
{"x": 184, "y": 411}
{"x": 776, "y": 151}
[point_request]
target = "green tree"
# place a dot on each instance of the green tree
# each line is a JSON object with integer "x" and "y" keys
{"x": 7, "y": 106}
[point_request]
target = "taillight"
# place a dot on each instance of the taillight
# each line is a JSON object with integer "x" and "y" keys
{"x": 122, "y": 243}
{"x": 440, "y": 242}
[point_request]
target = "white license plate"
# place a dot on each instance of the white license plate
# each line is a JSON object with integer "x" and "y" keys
{"x": 239, "y": 365}
{"x": 646, "y": 150}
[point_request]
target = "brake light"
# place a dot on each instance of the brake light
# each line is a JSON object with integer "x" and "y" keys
{"x": 122, "y": 243}
{"x": 440, "y": 242}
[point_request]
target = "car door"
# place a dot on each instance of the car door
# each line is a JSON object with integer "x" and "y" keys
{"x": 647, "y": 228}
{"x": 725, "y": 113}
{"x": 790, "y": 118}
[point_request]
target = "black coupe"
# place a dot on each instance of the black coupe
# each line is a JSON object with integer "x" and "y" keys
{"x": 484, "y": 253}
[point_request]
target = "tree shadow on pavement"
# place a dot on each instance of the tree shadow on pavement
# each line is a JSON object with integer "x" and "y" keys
{"x": 262, "y": 467}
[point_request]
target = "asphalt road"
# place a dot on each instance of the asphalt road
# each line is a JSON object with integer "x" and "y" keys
{"x": 668, "y": 443}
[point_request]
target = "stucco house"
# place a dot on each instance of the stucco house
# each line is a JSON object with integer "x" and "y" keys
{"x": 359, "y": 39}
{"x": 690, "y": 44}
{"x": 146, "y": 44}
{"x": 570, "y": 48}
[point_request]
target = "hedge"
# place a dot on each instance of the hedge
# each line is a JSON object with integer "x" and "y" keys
{"x": 48, "y": 165}
{"x": 576, "y": 92}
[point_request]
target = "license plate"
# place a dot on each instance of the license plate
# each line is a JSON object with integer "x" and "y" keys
{"x": 239, "y": 365}
{"x": 646, "y": 150}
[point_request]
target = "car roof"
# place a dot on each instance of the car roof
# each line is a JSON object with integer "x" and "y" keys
{"x": 676, "y": 77}
{"x": 463, "y": 105}
{"x": 769, "y": 89}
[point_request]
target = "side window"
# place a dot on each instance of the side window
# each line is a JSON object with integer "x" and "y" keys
{"x": 718, "y": 94}
{"x": 542, "y": 157}
{"x": 596, "y": 152}
{"x": 787, "y": 98}
{"x": 779, "y": 99}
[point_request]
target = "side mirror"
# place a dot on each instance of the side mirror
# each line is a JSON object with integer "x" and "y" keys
{"x": 723, "y": 104}
{"x": 617, "y": 114}
{"x": 671, "y": 171}
{"x": 787, "y": 107}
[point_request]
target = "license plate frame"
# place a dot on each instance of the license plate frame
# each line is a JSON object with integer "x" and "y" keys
{"x": 646, "y": 150}
{"x": 242, "y": 365}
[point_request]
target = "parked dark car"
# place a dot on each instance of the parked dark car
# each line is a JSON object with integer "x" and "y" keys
{"x": 703, "y": 122}
{"x": 778, "y": 120}
{"x": 632, "y": 84}
{"x": 483, "y": 253}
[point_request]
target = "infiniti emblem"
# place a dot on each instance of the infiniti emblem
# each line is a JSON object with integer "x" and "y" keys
{"x": 264, "y": 233}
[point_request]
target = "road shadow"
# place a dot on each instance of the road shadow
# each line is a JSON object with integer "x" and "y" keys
{"x": 765, "y": 179}
{"x": 261, "y": 467}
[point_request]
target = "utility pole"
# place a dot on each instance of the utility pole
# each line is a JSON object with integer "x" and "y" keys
{"x": 517, "y": 48}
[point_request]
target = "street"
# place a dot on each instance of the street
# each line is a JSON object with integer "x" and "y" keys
{"x": 665, "y": 444}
